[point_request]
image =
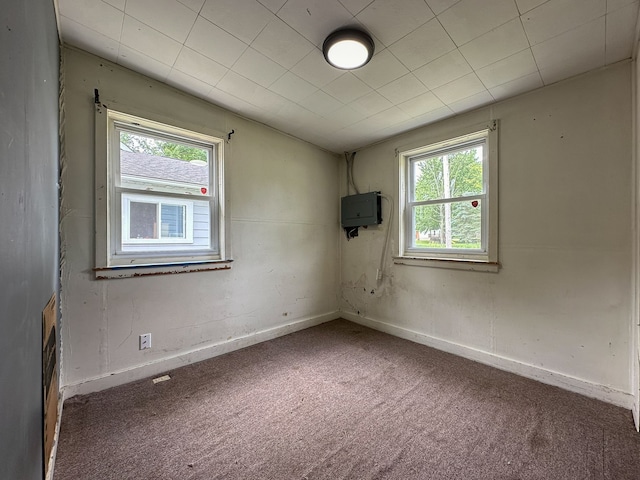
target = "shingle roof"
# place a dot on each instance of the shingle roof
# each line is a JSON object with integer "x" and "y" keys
{"x": 162, "y": 168}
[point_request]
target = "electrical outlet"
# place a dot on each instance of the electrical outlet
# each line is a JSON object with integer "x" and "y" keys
{"x": 145, "y": 341}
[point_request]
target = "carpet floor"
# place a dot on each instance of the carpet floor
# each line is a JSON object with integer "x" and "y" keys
{"x": 341, "y": 401}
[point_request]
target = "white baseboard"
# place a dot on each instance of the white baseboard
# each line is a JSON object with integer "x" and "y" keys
{"x": 185, "y": 358}
{"x": 567, "y": 382}
{"x": 56, "y": 436}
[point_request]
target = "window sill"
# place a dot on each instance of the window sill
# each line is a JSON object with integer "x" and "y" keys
{"x": 167, "y": 269}
{"x": 461, "y": 264}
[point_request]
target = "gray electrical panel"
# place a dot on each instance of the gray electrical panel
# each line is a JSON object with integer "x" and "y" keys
{"x": 361, "y": 210}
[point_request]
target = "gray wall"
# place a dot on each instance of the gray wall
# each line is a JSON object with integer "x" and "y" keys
{"x": 29, "y": 228}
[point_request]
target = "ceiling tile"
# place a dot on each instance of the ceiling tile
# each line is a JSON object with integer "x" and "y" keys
{"x": 417, "y": 55}
{"x": 371, "y": 103}
{"x": 130, "y": 58}
{"x": 402, "y": 89}
{"x": 197, "y": 65}
{"x": 314, "y": 69}
{"x": 230, "y": 102}
{"x": 571, "y": 53}
{"x": 119, "y": 4}
{"x": 424, "y": 44}
{"x": 347, "y": 88}
{"x": 422, "y": 104}
{"x": 315, "y": 19}
{"x": 433, "y": 116}
{"x": 459, "y": 89}
{"x": 474, "y": 101}
{"x": 499, "y": 43}
{"x": 148, "y": 41}
{"x": 75, "y": 34}
{"x": 291, "y": 114}
{"x": 206, "y": 37}
{"x": 382, "y": 69}
{"x": 355, "y": 6}
{"x": 469, "y": 19}
{"x": 613, "y": 5}
{"x": 250, "y": 92}
{"x": 558, "y": 16}
{"x": 508, "y": 69}
{"x": 282, "y": 44}
{"x": 321, "y": 103}
{"x": 525, "y": 5}
{"x": 243, "y": 19}
{"x": 621, "y": 29}
{"x": 439, "y": 6}
{"x": 390, "y": 21}
{"x": 443, "y": 70}
{"x": 355, "y": 136}
{"x": 194, "y": 5}
{"x": 273, "y": 5}
{"x": 238, "y": 86}
{"x": 517, "y": 86}
{"x": 188, "y": 83}
{"x": 170, "y": 17}
{"x": 95, "y": 15}
{"x": 345, "y": 116}
{"x": 293, "y": 87}
{"x": 386, "y": 118}
{"x": 255, "y": 66}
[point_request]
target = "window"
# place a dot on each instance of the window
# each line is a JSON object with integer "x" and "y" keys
{"x": 163, "y": 201}
{"x": 450, "y": 201}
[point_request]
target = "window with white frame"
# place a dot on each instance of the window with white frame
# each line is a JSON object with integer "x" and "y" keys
{"x": 158, "y": 194}
{"x": 450, "y": 199}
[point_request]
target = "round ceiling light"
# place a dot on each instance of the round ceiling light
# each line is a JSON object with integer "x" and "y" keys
{"x": 348, "y": 48}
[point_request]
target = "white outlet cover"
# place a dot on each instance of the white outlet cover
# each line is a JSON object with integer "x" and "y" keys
{"x": 163, "y": 378}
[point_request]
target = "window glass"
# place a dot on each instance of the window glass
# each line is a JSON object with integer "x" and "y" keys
{"x": 143, "y": 220}
{"x": 172, "y": 221}
{"x": 447, "y": 189}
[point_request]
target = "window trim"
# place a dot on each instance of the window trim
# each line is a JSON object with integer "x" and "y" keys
{"x": 487, "y": 258}
{"x": 138, "y": 263}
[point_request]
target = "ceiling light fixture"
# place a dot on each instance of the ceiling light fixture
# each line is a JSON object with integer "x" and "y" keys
{"x": 348, "y": 48}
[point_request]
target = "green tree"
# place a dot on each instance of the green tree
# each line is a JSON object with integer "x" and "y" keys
{"x": 453, "y": 175}
{"x": 161, "y": 148}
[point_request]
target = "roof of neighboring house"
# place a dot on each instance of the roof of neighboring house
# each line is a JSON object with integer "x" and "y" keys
{"x": 162, "y": 168}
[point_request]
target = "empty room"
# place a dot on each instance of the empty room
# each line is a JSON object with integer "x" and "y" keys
{"x": 319, "y": 239}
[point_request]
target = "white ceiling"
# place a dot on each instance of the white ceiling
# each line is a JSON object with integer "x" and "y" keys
{"x": 434, "y": 58}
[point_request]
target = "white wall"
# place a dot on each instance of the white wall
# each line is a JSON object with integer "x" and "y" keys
{"x": 559, "y": 309}
{"x": 282, "y": 196}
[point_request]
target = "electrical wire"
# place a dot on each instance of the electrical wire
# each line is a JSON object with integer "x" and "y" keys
{"x": 380, "y": 272}
{"x": 350, "y": 181}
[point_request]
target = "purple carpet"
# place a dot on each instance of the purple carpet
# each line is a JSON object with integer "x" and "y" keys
{"x": 341, "y": 401}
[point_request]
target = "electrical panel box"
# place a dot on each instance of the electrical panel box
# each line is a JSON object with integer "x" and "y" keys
{"x": 361, "y": 210}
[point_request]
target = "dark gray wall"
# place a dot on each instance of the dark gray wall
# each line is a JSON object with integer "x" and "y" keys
{"x": 28, "y": 223}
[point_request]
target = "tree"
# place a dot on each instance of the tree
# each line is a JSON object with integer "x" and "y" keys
{"x": 161, "y": 148}
{"x": 453, "y": 175}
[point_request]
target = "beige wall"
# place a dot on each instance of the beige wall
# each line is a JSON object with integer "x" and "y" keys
{"x": 559, "y": 309}
{"x": 282, "y": 199}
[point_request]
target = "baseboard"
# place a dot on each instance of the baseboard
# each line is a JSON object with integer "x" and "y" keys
{"x": 185, "y": 358}
{"x": 567, "y": 382}
{"x": 56, "y": 436}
